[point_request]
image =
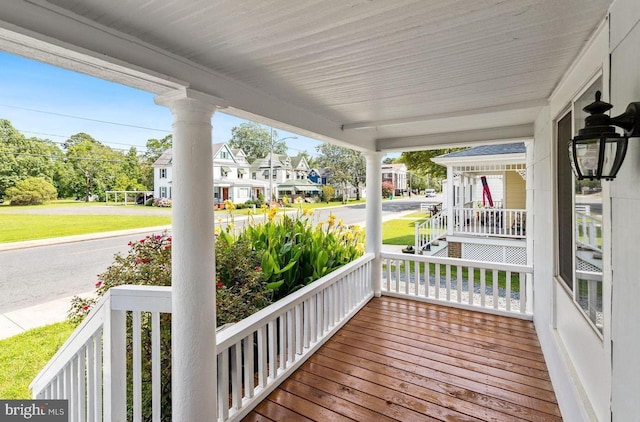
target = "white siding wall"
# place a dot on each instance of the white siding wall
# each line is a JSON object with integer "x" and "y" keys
{"x": 625, "y": 203}
{"x": 578, "y": 360}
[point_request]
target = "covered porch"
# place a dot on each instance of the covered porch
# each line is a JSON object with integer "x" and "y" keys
{"x": 376, "y": 77}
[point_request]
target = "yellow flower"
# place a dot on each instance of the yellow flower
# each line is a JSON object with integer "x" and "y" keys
{"x": 217, "y": 230}
{"x": 272, "y": 213}
{"x": 340, "y": 223}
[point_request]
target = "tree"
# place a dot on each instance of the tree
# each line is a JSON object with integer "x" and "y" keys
{"x": 96, "y": 165}
{"x": 21, "y": 158}
{"x": 255, "y": 141}
{"x": 155, "y": 148}
{"x": 420, "y": 162}
{"x": 388, "y": 160}
{"x": 345, "y": 166}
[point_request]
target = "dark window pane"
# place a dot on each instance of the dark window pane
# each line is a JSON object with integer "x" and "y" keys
{"x": 565, "y": 202}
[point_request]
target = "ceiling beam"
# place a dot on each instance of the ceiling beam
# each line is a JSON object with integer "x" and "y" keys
{"x": 457, "y": 139}
{"x": 462, "y": 113}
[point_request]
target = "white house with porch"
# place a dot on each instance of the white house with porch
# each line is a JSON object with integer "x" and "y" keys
{"x": 377, "y": 77}
{"x": 230, "y": 176}
{"x": 483, "y": 214}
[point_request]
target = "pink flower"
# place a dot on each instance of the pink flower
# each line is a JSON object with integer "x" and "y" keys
{"x": 219, "y": 285}
{"x": 129, "y": 244}
{"x": 158, "y": 237}
{"x": 141, "y": 240}
{"x": 85, "y": 308}
{"x": 99, "y": 283}
{"x": 167, "y": 247}
{"x": 138, "y": 260}
{"x": 258, "y": 268}
{"x": 168, "y": 239}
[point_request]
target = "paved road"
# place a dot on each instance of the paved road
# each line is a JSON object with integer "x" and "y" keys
{"x": 40, "y": 274}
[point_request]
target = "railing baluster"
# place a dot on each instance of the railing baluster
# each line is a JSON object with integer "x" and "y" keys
{"x": 99, "y": 345}
{"x": 459, "y": 283}
{"x": 91, "y": 379}
{"x": 236, "y": 375}
{"x": 74, "y": 406}
{"x": 471, "y": 284}
{"x": 223, "y": 385}
{"x": 397, "y": 289}
{"x": 437, "y": 286}
{"x": 273, "y": 350}
{"x": 137, "y": 366}
{"x": 248, "y": 366}
{"x": 262, "y": 357}
{"x": 156, "y": 365}
{"x": 448, "y": 281}
{"x": 523, "y": 292}
{"x": 299, "y": 329}
{"x": 495, "y": 289}
{"x": 388, "y": 271}
{"x": 282, "y": 329}
{"x": 426, "y": 279}
{"x": 483, "y": 287}
{"x": 508, "y": 290}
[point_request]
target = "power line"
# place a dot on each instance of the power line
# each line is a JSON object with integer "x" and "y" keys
{"x": 85, "y": 118}
{"x": 62, "y": 157}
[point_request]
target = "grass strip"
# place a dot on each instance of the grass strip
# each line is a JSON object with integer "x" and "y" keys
{"x": 24, "y": 355}
{"x": 19, "y": 227}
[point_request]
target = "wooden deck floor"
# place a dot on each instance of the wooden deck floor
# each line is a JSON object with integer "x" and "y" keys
{"x": 399, "y": 360}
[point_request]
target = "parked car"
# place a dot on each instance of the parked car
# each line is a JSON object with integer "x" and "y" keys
{"x": 429, "y": 193}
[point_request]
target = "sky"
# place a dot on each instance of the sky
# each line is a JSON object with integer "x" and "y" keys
{"x": 49, "y": 102}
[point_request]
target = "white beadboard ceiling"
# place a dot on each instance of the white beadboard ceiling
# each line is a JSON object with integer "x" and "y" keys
{"x": 364, "y": 72}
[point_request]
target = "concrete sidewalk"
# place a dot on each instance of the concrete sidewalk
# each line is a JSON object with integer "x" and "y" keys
{"x": 21, "y": 320}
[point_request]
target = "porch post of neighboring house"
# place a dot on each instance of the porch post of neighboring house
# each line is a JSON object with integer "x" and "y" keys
{"x": 450, "y": 200}
{"x": 193, "y": 322}
{"x": 463, "y": 181}
{"x": 374, "y": 216}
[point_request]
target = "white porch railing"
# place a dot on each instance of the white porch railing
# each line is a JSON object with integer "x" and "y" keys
{"x": 587, "y": 231}
{"x": 490, "y": 222}
{"x": 503, "y": 289}
{"x": 254, "y": 355}
{"x": 588, "y": 294}
{"x": 430, "y": 230}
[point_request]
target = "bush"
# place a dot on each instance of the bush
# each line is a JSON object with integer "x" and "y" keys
{"x": 149, "y": 202}
{"x": 31, "y": 191}
{"x": 327, "y": 193}
{"x": 162, "y": 202}
{"x": 387, "y": 189}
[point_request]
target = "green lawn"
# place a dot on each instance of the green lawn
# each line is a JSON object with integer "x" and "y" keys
{"x": 24, "y": 355}
{"x": 401, "y": 231}
{"x": 19, "y": 227}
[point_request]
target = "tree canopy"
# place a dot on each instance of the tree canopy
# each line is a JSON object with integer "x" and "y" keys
{"x": 420, "y": 162}
{"x": 255, "y": 141}
{"x": 346, "y": 166}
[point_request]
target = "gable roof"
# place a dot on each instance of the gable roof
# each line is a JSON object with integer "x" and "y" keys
{"x": 164, "y": 160}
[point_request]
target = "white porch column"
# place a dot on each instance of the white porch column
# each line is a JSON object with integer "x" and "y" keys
{"x": 449, "y": 200}
{"x": 193, "y": 321}
{"x": 374, "y": 216}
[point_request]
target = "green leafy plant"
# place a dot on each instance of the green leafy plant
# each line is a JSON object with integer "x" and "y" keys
{"x": 31, "y": 191}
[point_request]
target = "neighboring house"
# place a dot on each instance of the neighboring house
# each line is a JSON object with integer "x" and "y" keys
{"x": 285, "y": 171}
{"x": 397, "y": 175}
{"x": 230, "y": 176}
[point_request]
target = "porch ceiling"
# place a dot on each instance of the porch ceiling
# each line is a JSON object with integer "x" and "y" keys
{"x": 372, "y": 75}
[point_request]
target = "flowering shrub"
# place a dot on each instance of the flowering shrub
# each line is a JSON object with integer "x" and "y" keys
{"x": 162, "y": 202}
{"x": 240, "y": 292}
{"x": 387, "y": 189}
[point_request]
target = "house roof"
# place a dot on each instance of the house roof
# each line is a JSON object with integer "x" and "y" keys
{"x": 371, "y": 75}
{"x": 497, "y": 149}
{"x": 164, "y": 160}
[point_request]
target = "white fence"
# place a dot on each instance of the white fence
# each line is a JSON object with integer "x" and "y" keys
{"x": 90, "y": 369}
{"x": 588, "y": 294}
{"x": 503, "y": 289}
